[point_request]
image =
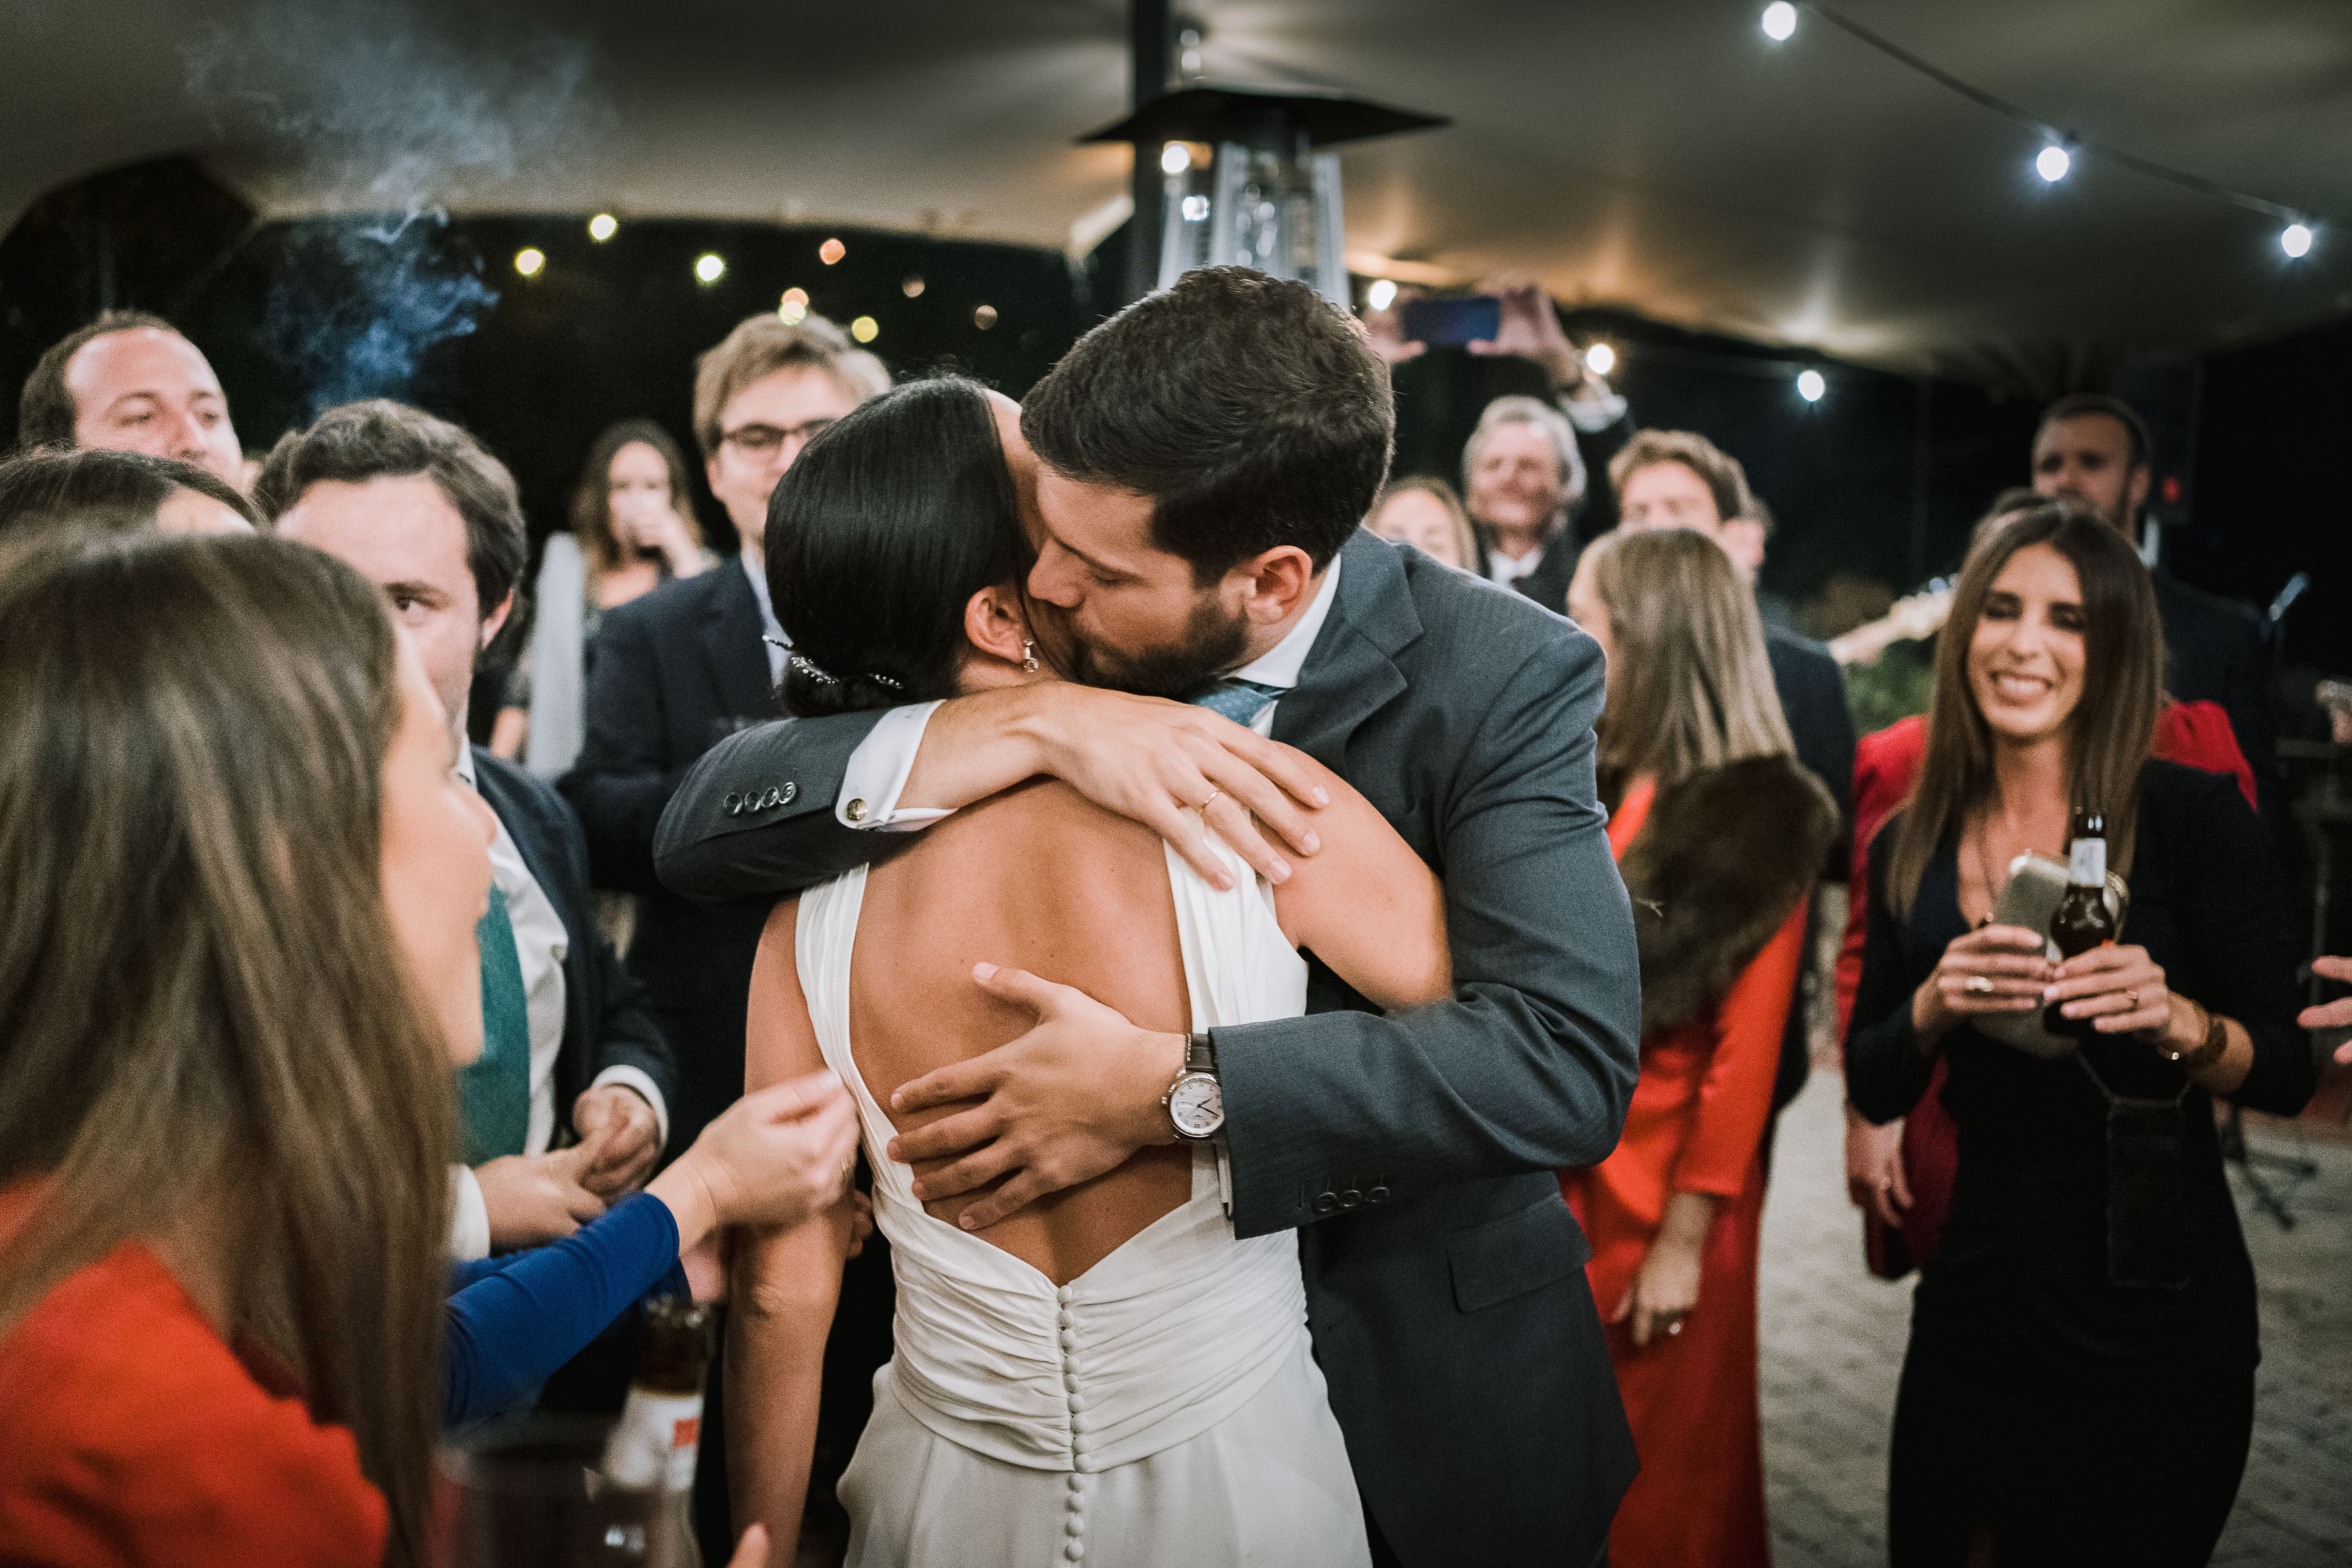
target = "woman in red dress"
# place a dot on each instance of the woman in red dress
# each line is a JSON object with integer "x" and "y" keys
{"x": 1717, "y": 830}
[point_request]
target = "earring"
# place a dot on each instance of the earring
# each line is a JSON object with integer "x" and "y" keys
{"x": 1028, "y": 658}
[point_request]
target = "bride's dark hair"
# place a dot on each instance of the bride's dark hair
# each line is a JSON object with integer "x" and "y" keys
{"x": 878, "y": 536}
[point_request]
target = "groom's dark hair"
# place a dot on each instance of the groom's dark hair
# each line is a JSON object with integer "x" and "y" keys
{"x": 1252, "y": 411}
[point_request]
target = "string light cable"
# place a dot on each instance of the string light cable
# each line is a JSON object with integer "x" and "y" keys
{"x": 2294, "y": 238}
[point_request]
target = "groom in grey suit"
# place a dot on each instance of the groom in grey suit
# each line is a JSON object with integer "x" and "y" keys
{"x": 1205, "y": 457}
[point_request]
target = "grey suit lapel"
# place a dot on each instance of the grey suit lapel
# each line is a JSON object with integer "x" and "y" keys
{"x": 1350, "y": 672}
{"x": 731, "y": 645}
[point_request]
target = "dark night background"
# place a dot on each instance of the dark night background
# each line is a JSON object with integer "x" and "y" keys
{"x": 1864, "y": 487}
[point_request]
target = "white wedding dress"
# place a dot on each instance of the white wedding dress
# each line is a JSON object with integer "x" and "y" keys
{"x": 1162, "y": 1410}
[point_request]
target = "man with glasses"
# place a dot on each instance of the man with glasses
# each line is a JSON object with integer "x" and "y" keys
{"x": 688, "y": 665}
{"x": 669, "y": 675}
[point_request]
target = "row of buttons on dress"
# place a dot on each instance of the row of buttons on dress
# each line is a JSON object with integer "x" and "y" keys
{"x": 757, "y": 800}
{"x": 1073, "y": 1521}
{"x": 1329, "y": 1201}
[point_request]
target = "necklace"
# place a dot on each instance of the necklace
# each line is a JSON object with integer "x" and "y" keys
{"x": 1984, "y": 870}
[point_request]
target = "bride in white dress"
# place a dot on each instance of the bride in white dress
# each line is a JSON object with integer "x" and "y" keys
{"x": 1107, "y": 1377}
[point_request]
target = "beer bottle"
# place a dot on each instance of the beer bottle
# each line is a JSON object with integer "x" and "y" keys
{"x": 654, "y": 1446}
{"x": 2083, "y": 920}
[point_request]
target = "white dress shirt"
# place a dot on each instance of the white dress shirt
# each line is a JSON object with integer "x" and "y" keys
{"x": 878, "y": 770}
{"x": 779, "y": 644}
{"x": 1507, "y": 569}
{"x": 541, "y": 946}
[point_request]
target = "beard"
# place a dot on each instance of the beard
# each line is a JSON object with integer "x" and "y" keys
{"x": 1211, "y": 644}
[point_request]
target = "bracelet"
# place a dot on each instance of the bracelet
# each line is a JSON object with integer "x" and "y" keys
{"x": 2208, "y": 1051}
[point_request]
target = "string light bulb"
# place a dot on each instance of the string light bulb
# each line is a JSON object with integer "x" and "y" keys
{"x": 831, "y": 251}
{"x": 2295, "y": 240}
{"x": 603, "y": 226}
{"x": 1175, "y": 158}
{"x": 1779, "y": 21}
{"x": 710, "y": 267}
{"x": 1600, "y": 359}
{"x": 1380, "y": 295}
{"x": 864, "y": 328}
{"x": 1810, "y": 385}
{"x": 528, "y": 260}
{"x": 984, "y": 317}
{"x": 793, "y": 308}
{"x": 2053, "y": 163}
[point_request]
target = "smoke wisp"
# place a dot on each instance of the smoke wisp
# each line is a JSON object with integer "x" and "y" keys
{"x": 390, "y": 111}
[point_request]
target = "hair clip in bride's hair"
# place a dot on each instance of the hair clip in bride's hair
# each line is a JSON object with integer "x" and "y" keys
{"x": 816, "y": 673}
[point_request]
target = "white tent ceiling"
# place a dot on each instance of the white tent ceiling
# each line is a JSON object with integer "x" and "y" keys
{"x": 1663, "y": 156}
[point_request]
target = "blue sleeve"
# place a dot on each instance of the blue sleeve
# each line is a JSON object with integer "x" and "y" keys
{"x": 514, "y": 1320}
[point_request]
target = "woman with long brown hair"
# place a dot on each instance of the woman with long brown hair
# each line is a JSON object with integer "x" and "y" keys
{"x": 2079, "y": 1386}
{"x": 633, "y": 529}
{"x": 226, "y": 1120}
{"x": 237, "y": 963}
{"x": 1717, "y": 830}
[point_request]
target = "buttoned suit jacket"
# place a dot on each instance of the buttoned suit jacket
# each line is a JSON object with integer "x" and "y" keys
{"x": 1414, "y": 1154}
{"x": 669, "y": 674}
{"x": 605, "y": 1020}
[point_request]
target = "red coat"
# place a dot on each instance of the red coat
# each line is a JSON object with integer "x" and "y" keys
{"x": 1695, "y": 1124}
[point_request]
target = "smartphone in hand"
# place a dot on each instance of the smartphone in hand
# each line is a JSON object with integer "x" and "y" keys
{"x": 1450, "y": 323}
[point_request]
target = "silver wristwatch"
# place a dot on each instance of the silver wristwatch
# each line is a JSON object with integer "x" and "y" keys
{"x": 1195, "y": 1103}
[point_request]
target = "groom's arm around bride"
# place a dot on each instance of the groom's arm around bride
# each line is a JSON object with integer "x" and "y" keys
{"x": 1191, "y": 448}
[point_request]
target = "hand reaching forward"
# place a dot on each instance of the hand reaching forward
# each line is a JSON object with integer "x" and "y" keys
{"x": 1066, "y": 1101}
{"x": 772, "y": 1157}
{"x": 2336, "y": 1014}
{"x": 534, "y": 1199}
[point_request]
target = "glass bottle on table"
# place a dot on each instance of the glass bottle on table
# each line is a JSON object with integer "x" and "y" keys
{"x": 2082, "y": 919}
{"x": 653, "y": 1447}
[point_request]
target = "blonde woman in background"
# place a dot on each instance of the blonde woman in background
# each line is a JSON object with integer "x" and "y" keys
{"x": 1426, "y": 514}
{"x": 1718, "y": 830}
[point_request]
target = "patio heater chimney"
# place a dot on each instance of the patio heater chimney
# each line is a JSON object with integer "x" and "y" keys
{"x": 1268, "y": 197}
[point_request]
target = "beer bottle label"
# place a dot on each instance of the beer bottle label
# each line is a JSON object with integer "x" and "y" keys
{"x": 2088, "y": 866}
{"x": 654, "y": 1446}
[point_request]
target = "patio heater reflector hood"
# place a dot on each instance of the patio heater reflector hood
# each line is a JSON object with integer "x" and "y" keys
{"x": 1269, "y": 197}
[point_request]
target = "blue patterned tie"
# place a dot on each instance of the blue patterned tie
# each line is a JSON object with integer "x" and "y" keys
{"x": 1240, "y": 701}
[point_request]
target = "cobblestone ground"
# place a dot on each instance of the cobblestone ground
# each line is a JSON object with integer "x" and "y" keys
{"x": 1832, "y": 1346}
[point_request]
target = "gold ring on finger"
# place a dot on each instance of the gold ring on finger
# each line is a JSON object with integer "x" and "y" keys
{"x": 1978, "y": 986}
{"x": 1205, "y": 805}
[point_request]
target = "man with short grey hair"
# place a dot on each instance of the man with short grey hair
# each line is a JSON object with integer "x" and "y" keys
{"x": 1521, "y": 476}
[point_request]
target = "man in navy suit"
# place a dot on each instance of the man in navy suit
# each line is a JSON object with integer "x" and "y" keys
{"x": 419, "y": 508}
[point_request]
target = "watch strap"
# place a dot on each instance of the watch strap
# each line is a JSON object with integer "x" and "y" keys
{"x": 1200, "y": 1053}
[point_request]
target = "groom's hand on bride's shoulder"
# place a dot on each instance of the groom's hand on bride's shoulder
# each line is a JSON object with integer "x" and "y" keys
{"x": 1158, "y": 763}
{"x": 1064, "y": 1103}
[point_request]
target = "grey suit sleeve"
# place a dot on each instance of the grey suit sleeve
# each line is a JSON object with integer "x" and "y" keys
{"x": 1529, "y": 1067}
{"x": 704, "y": 851}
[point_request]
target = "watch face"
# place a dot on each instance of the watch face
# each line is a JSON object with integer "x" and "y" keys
{"x": 1197, "y": 1106}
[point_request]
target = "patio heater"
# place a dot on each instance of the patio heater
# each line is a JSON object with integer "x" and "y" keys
{"x": 1268, "y": 194}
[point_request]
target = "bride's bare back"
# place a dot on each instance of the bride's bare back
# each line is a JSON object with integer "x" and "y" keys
{"x": 1037, "y": 879}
